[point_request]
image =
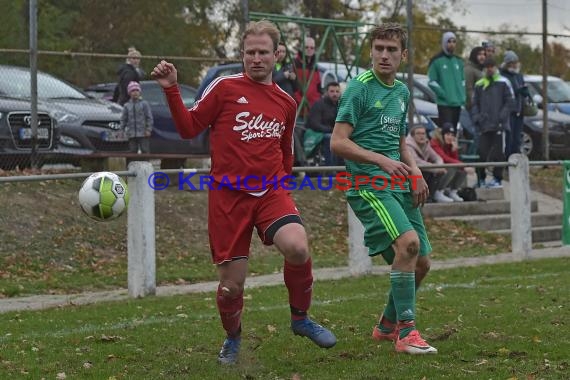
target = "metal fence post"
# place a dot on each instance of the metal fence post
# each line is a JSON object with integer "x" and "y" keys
{"x": 359, "y": 262}
{"x": 521, "y": 226}
{"x": 566, "y": 204}
{"x": 141, "y": 232}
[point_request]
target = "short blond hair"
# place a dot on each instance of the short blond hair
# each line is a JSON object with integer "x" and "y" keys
{"x": 134, "y": 53}
{"x": 260, "y": 27}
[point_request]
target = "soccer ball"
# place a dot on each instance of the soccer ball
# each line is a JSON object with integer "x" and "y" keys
{"x": 103, "y": 196}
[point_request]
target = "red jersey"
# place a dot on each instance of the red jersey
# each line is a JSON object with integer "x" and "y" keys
{"x": 251, "y": 129}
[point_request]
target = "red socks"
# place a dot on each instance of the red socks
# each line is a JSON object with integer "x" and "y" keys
{"x": 299, "y": 282}
{"x": 230, "y": 312}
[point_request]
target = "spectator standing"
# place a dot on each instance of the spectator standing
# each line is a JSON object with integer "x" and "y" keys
{"x": 283, "y": 73}
{"x": 136, "y": 120}
{"x": 284, "y": 76}
{"x": 490, "y": 50}
{"x": 419, "y": 147}
{"x": 510, "y": 69}
{"x": 308, "y": 76}
{"x": 322, "y": 116}
{"x": 473, "y": 72}
{"x": 492, "y": 104}
{"x": 128, "y": 72}
{"x": 447, "y": 80}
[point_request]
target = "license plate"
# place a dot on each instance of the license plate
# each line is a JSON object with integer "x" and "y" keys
{"x": 26, "y": 133}
{"x": 114, "y": 136}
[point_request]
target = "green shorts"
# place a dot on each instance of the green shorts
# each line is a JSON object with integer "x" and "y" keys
{"x": 385, "y": 216}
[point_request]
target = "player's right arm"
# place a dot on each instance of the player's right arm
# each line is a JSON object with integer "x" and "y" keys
{"x": 189, "y": 123}
{"x": 343, "y": 146}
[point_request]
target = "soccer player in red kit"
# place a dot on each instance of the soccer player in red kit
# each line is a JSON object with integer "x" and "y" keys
{"x": 251, "y": 123}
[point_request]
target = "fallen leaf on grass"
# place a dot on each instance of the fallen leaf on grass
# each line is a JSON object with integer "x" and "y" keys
{"x": 110, "y": 338}
{"x": 504, "y": 351}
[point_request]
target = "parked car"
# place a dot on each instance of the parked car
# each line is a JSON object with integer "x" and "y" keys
{"x": 86, "y": 125}
{"x": 421, "y": 89}
{"x": 16, "y": 134}
{"x": 558, "y": 92}
{"x": 165, "y": 139}
{"x": 558, "y": 136}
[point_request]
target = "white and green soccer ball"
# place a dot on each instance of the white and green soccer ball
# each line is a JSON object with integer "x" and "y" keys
{"x": 104, "y": 196}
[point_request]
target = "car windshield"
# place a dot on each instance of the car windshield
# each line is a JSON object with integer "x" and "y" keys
{"x": 16, "y": 83}
{"x": 558, "y": 91}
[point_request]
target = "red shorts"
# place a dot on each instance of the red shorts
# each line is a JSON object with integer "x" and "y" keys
{"x": 233, "y": 214}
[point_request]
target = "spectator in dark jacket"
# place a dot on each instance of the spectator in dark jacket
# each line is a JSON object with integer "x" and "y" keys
{"x": 284, "y": 74}
{"x": 322, "y": 116}
{"x": 510, "y": 69}
{"x": 128, "y": 72}
{"x": 308, "y": 76}
{"x": 473, "y": 72}
{"x": 492, "y": 104}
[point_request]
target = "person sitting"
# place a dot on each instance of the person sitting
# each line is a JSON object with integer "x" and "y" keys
{"x": 444, "y": 143}
{"x": 322, "y": 116}
{"x": 418, "y": 144}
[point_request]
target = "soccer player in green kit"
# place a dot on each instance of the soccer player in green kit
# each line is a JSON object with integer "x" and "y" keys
{"x": 369, "y": 134}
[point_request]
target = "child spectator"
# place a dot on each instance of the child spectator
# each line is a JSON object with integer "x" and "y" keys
{"x": 136, "y": 120}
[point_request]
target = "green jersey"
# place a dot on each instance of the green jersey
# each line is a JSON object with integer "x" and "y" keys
{"x": 378, "y": 114}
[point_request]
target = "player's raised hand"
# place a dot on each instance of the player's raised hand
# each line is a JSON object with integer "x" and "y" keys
{"x": 165, "y": 74}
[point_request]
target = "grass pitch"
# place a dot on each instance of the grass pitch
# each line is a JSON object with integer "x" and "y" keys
{"x": 507, "y": 321}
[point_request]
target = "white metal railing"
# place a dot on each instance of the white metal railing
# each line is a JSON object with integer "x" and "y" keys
{"x": 141, "y": 216}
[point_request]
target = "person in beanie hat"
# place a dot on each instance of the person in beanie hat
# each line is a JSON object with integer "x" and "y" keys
{"x": 489, "y": 47}
{"x": 510, "y": 69}
{"x": 136, "y": 120}
{"x": 444, "y": 143}
{"x": 447, "y": 80}
{"x": 133, "y": 86}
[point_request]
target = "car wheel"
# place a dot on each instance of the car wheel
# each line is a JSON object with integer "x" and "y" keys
{"x": 530, "y": 145}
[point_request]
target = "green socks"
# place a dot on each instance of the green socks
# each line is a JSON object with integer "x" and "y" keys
{"x": 403, "y": 297}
